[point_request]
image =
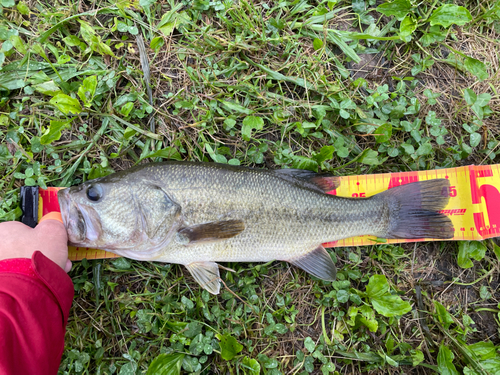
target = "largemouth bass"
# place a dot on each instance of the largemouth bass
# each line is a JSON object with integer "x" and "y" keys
{"x": 197, "y": 214}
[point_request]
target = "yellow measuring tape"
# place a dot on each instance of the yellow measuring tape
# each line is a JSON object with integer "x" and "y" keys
{"x": 474, "y": 206}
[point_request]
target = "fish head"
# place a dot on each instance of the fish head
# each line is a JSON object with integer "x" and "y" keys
{"x": 117, "y": 214}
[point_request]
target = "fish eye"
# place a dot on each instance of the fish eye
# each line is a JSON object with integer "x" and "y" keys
{"x": 94, "y": 192}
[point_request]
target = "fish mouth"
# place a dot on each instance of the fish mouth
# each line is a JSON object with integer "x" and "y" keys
{"x": 81, "y": 222}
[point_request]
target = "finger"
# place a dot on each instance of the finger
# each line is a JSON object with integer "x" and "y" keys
{"x": 68, "y": 266}
{"x": 52, "y": 230}
{"x": 52, "y": 240}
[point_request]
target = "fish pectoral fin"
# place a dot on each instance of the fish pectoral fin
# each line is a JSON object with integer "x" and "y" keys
{"x": 316, "y": 262}
{"x": 209, "y": 232}
{"x": 206, "y": 274}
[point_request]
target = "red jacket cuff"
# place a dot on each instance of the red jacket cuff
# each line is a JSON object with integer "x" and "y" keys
{"x": 58, "y": 281}
{"x": 34, "y": 309}
{"x": 18, "y": 265}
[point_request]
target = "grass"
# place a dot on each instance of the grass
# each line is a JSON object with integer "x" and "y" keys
{"x": 346, "y": 87}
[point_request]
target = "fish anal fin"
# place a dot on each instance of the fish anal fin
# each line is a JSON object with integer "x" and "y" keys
{"x": 209, "y": 232}
{"x": 206, "y": 274}
{"x": 308, "y": 179}
{"x": 316, "y": 262}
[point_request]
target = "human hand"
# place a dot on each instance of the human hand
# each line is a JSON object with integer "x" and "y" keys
{"x": 49, "y": 237}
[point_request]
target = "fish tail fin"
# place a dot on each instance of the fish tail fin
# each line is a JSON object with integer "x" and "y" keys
{"x": 413, "y": 210}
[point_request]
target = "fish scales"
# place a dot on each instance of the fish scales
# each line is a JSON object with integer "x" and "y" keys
{"x": 280, "y": 221}
{"x": 197, "y": 214}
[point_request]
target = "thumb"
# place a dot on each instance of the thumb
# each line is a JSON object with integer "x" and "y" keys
{"x": 68, "y": 266}
{"x": 53, "y": 239}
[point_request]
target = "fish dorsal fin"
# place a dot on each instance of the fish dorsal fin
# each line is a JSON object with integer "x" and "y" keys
{"x": 206, "y": 274}
{"x": 317, "y": 181}
{"x": 316, "y": 262}
{"x": 209, "y": 232}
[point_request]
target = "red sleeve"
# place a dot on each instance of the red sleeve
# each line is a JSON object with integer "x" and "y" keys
{"x": 35, "y": 299}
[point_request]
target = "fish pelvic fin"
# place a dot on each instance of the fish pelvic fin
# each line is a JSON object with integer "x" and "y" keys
{"x": 413, "y": 210}
{"x": 206, "y": 274}
{"x": 209, "y": 232}
{"x": 316, "y": 262}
